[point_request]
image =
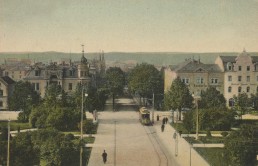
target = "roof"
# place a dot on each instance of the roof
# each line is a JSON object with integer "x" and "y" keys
{"x": 7, "y": 80}
{"x": 193, "y": 66}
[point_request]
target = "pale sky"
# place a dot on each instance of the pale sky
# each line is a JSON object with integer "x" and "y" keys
{"x": 129, "y": 25}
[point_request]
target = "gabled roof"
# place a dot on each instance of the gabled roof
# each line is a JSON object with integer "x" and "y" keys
{"x": 7, "y": 80}
{"x": 195, "y": 66}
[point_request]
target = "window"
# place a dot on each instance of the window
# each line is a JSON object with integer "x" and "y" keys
{"x": 70, "y": 87}
{"x": 1, "y": 92}
{"x": 247, "y": 78}
{"x": 248, "y": 89}
{"x": 229, "y": 78}
{"x": 239, "y": 68}
{"x": 239, "y": 89}
{"x": 256, "y": 78}
{"x": 239, "y": 78}
{"x": 185, "y": 80}
{"x": 71, "y": 72}
{"x": 231, "y": 102}
{"x": 199, "y": 80}
{"x": 248, "y": 68}
{"x": 257, "y": 89}
{"x": 229, "y": 67}
{"x": 214, "y": 81}
{"x": 229, "y": 89}
{"x": 35, "y": 86}
{"x": 36, "y": 72}
{"x": 1, "y": 103}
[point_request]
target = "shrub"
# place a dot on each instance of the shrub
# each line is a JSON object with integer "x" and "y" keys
{"x": 224, "y": 133}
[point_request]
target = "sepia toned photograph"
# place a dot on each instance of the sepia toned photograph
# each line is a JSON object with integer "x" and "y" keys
{"x": 129, "y": 82}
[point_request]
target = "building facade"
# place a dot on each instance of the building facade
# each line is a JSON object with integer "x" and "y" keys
{"x": 6, "y": 89}
{"x": 230, "y": 75}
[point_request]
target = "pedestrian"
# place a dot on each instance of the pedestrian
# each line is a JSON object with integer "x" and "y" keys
{"x": 157, "y": 117}
{"x": 166, "y": 119}
{"x": 163, "y": 121}
{"x": 162, "y": 127}
{"x": 104, "y": 156}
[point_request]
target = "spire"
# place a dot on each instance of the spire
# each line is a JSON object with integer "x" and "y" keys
{"x": 83, "y": 59}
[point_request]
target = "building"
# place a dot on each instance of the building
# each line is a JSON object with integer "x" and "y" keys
{"x": 6, "y": 89}
{"x": 196, "y": 75}
{"x": 240, "y": 75}
{"x": 230, "y": 75}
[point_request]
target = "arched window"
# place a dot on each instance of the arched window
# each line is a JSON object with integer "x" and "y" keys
{"x": 229, "y": 89}
{"x": 229, "y": 66}
{"x": 248, "y": 89}
{"x": 239, "y": 89}
{"x": 231, "y": 102}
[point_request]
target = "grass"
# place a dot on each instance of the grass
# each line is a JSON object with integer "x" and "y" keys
{"x": 214, "y": 156}
{"x": 14, "y": 125}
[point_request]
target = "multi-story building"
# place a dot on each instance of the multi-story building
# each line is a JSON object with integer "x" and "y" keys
{"x": 230, "y": 75}
{"x": 196, "y": 75}
{"x": 240, "y": 75}
{"x": 6, "y": 89}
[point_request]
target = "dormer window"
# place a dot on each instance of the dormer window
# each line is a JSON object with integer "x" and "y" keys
{"x": 229, "y": 66}
{"x": 239, "y": 68}
{"x": 37, "y": 73}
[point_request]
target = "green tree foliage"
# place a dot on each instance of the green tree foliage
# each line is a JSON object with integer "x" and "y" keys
{"x": 241, "y": 146}
{"x": 215, "y": 119}
{"x": 115, "y": 78}
{"x": 23, "y": 151}
{"x": 145, "y": 80}
{"x": 188, "y": 120}
{"x": 178, "y": 96}
{"x": 55, "y": 96}
{"x": 241, "y": 103}
{"x": 211, "y": 98}
{"x": 23, "y": 98}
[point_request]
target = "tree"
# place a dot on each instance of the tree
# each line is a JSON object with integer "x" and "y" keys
{"x": 211, "y": 98}
{"x": 23, "y": 98}
{"x": 23, "y": 151}
{"x": 115, "y": 81}
{"x": 178, "y": 96}
{"x": 242, "y": 102}
{"x": 145, "y": 80}
{"x": 241, "y": 146}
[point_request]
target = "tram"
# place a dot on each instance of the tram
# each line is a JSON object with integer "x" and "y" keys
{"x": 144, "y": 116}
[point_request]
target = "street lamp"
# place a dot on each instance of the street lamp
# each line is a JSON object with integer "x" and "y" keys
{"x": 81, "y": 151}
{"x": 8, "y": 146}
{"x": 196, "y": 98}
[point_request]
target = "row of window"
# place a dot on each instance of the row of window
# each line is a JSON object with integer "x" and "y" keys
{"x": 240, "y": 89}
{"x": 230, "y": 67}
{"x": 200, "y": 80}
{"x": 36, "y": 86}
{"x": 239, "y": 78}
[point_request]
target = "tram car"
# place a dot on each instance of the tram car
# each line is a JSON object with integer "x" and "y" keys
{"x": 144, "y": 116}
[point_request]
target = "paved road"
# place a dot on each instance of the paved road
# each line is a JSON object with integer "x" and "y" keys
{"x": 126, "y": 141}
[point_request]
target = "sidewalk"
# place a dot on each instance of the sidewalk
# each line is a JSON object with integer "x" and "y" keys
{"x": 183, "y": 157}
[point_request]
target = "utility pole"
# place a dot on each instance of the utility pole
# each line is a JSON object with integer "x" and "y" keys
{"x": 197, "y": 121}
{"x": 81, "y": 150}
{"x": 153, "y": 108}
{"x": 8, "y": 146}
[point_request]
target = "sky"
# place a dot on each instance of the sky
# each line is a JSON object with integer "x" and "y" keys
{"x": 129, "y": 25}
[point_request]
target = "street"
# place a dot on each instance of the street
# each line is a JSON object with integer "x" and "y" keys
{"x": 126, "y": 141}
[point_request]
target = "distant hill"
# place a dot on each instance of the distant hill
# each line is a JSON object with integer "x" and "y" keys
{"x": 157, "y": 58}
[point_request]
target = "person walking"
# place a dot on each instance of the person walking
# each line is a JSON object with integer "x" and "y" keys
{"x": 163, "y": 121}
{"x": 104, "y": 156}
{"x": 162, "y": 127}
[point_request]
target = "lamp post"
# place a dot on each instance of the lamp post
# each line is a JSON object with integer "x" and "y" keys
{"x": 153, "y": 108}
{"x": 191, "y": 153}
{"x": 196, "y": 98}
{"x": 81, "y": 150}
{"x": 8, "y": 146}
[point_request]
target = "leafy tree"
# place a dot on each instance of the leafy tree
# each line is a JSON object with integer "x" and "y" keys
{"x": 188, "y": 120}
{"x": 178, "y": 96}
{"x": 241, "y": 146}
{"x": 23, "y": 151}
{"x": 55, "y": 96}
{"x": 241, "y": 103}
{"x": 215, "y": 119}
{"x": 23, "y": 98}
{"x": 145, "y": 80}
{"x": 211, "y": 98}
{"x": 115, "y": 81}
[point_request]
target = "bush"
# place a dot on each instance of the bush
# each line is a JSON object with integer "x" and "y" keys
{"x": 208, "y": 134}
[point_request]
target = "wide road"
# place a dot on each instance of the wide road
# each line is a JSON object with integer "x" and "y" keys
{"x": 126, "y": 141}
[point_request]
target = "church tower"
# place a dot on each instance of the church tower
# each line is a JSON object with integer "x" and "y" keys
{"x": 83, "y": 69}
